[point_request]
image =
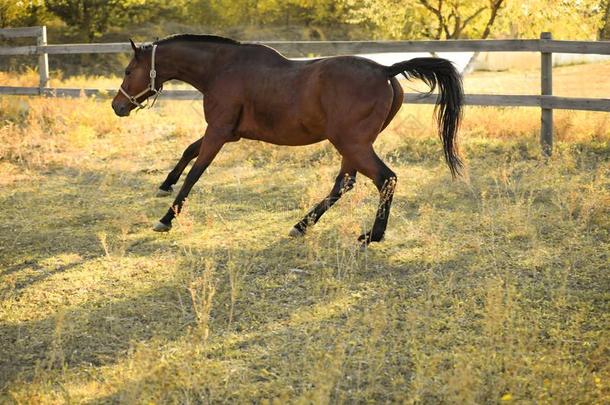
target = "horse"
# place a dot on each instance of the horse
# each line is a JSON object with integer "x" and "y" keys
{"x": 251, "y": 91}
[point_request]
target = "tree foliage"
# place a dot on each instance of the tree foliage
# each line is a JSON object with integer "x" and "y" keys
{"x": 87, "y": 17}
{"x": 21, "y": 13}
{"x": 456, "y": 19}
{"x": 90, "y": 20}
{"x": 565, "y": 19}
{"x": 604, "y": 30}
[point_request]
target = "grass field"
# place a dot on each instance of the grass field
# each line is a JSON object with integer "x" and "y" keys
{"x": 490, "y": 289}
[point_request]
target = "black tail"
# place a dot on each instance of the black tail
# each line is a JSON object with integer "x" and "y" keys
{"x": 440, "y": 72}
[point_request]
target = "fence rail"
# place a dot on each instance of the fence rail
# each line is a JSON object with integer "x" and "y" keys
{"x": 485, "y": 100}
{"x": 546, "y": 46}
{"x": 327, "y": 48}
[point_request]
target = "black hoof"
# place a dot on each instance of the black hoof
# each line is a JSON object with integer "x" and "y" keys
{"x": 367, "y": 238}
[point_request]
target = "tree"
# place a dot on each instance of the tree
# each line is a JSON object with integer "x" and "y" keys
{"x": 21, "y": 13}
{"x": 384, "y": 19}
{"x": 566, "y": 19}
{"x": 436, "y": 19}
{"x": 88, "y": 18}
{"x": 604, "y": 31}
{"x": 457, "y": 19}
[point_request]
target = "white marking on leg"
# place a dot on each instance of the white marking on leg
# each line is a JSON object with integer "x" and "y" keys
{"x": 161, "y": 227}
{"x": 295, "y": 233}
{"x": 164, "y": 193}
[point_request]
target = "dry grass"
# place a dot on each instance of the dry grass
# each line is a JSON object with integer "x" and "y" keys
{"x": 493, "y": 289}
{"x": 590, "y": 80}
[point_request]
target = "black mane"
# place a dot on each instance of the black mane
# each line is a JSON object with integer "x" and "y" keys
{"x": 197, "y": 38}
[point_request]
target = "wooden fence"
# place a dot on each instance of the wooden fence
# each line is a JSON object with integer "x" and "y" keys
{"x": 546, "y": 46}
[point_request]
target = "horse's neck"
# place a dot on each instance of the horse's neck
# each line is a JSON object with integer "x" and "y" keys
{"x": 196, "y": 63}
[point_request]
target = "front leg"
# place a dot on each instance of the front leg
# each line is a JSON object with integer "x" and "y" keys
{"x": 189, "y": 154}
{"x": 212, "y": 142}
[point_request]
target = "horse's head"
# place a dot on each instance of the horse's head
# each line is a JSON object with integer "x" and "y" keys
{"x": 139, "y": 82}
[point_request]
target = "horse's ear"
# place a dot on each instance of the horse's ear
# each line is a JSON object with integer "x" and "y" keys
{"x": 134, "y": 47}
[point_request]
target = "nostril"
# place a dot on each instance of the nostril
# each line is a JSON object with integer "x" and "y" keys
{"x": 119, "y": 109}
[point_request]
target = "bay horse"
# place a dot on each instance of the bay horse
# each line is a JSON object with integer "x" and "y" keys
{"x": 253, "y": 92}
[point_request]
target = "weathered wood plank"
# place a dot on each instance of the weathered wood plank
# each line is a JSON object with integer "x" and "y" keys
{"x": 580, "y": 47}
{"x": 305, "y": 48}
{"x": 18, "y": 50}
{"x": 85, "y": 48}
{"x": 499, "y": 100}
{"x": 181, "y": 95}
{"x": 102, "y": 93}
{"x": 573, "y": 103}
{"x": 43, "y": 60}
{"x": 74, "y": 93}
{"x": 19, "y": 91}
{"x": 546, "y": 89}
{"x": 360, "y": 47}
{"x": 21, "y": 32}
{"x": 488, "y": 100}
{"x": 491, "y": 100}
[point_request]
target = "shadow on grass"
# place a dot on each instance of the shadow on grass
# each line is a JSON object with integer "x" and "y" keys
{"x": 95, "y": 334}
{"x": 101, "y": 332}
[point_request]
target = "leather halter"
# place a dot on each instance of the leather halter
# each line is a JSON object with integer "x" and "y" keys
{"x": 151, "y": 86}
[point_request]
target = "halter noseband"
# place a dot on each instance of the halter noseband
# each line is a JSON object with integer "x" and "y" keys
{"x": 151, "y": 86}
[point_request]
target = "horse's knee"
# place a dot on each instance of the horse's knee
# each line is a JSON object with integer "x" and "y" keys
{"x": 190, "y": 153}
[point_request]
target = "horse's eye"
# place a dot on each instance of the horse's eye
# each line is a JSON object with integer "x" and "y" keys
{"x": 127, "y": 72}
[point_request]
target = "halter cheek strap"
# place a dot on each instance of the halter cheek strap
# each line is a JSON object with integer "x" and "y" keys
{"x": 151, "y": 86}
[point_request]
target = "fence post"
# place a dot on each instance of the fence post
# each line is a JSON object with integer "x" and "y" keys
{"x": 43, "y": 60}
{"x": 546, "y": 89}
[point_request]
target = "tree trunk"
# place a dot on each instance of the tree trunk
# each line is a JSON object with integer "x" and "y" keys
{"x": 604, "y": 31}
{"x": 495, "y": 7}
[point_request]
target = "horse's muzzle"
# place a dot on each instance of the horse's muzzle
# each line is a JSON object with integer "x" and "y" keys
{"x": 122, "y": 110}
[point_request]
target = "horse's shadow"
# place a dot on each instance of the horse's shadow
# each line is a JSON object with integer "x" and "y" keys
{"x": 97, "y": 333}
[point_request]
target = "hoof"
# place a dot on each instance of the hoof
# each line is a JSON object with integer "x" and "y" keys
{"x": 164, "y": 193}
{"x": 295, "y": 233}
{"x": 161, "y": 227}
{"x": 366, "y": 238}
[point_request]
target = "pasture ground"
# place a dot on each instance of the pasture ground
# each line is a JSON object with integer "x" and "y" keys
{"x": 490, "y": 289}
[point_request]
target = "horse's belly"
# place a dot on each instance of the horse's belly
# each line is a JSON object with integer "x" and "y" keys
{"x": 280, "y": 138}
{"x": 282, "y": 130}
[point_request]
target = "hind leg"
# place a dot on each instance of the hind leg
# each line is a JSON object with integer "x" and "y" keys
{"x": 213, "y": 141}
{"x": 369, "y": 164}
{"x": 344, "y": 182}
{"x": 189, "y": 154}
